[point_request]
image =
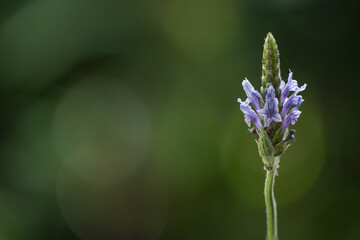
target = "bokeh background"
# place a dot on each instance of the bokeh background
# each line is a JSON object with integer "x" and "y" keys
{"x": 119, "y": 120}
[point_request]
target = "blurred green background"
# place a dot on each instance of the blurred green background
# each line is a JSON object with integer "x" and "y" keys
{"x": 119, "y": 120}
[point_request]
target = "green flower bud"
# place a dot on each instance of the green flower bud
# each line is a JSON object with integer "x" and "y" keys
{"x": 270, "y": 65}
{"x": 266, "y": 150}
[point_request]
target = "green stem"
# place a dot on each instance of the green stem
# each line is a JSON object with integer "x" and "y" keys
{"x": 271, "y": 212}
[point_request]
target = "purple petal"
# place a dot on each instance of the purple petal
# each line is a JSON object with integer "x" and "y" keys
{"x": 292, "y": 117}
{"x": 270, "y": 112}
{"x": 293, "y": 100}
{"x": 299, "y": 89}
{"x": 285, "y": 91}
{"x": 291, "y": 85}
{"x": 252, "y": 94}
{"x": 282, "y": 85}
{"x": 250, "y": 115}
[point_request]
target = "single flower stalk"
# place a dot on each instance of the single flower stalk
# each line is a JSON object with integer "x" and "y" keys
{"x": 273, "y": 110}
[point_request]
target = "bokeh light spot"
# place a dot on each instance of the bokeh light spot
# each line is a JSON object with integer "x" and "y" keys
{"x": 99, "y": 108}
{"x": 202, "y": 29}
{"x": 133, "y": 209}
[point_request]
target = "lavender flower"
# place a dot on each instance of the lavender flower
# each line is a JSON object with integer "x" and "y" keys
{"x": 292, "y": 117}
{"x": 253, "y": 95}
{"x": 291, "y": 85}
{"x": 250, "y": 115}
{"x": 272, "y": 110}
{"x": 273, "y": 113}
{"x": 289, "y": 102}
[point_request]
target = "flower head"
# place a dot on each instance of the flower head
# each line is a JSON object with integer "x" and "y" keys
{"x": 274, "y": 110}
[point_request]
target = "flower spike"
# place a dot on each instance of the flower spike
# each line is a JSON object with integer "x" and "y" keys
{"x": 272, "y": 113}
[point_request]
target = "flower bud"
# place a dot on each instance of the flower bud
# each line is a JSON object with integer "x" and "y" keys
{"x": 266, "y": 150}
{"x": 271, "y": 65}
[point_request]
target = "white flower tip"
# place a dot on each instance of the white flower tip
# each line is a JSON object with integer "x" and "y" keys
{"x": 239, "y": 100}
{"x": 271, "y": 88}
{"x": 302, "y": 88}
{"x": 245, "y": 81}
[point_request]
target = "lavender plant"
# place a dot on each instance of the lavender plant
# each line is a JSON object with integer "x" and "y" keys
{"x": 272, "y": 112}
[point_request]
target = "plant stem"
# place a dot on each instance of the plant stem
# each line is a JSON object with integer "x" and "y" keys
{"x": 271, "y": 212}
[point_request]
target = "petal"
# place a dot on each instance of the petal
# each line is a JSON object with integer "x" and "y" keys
{"x": 292, "y": 117}
{"x": 300, "y": 89}
{"x": 270, "y": 112}
{"x": 282, "y": 85}
{"x": 277, "y": 118}
{"x": 292, "y": 86}
{"x": 252, "y": 94}
{"x": 267, "y": 121}
{"x": 261, "y": 112}
{"x": 250, "y": 115}
{"x": 293, "y": 100}
{"x": 285, "y": 91}
{"x": 270, "y": 92}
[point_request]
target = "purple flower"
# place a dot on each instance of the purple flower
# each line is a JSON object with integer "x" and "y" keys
{"x": 250, "y": 115}
{"x": 292, "y": 117}
{"x": 291, "y": 85}
{"x": 267, "y": 111}
{"x": 273, "y": 108}
{"x": 294, "y": 113}
{"x": 253, "y": 95}
{"x": 270, "y": 112}
{"x": 289, "y": 102}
